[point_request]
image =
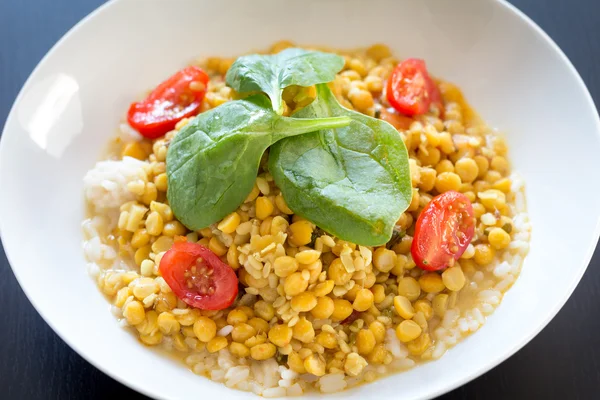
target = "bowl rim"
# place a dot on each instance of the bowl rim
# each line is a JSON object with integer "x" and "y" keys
{"x": 487, "y": 366}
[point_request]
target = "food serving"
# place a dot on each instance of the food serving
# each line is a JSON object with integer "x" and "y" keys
{"x": 304, "y": 219}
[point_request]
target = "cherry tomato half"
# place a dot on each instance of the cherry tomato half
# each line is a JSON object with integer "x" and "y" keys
{"x": 198, "y": 277}
{"x": 410, "y": 90}
{"x": 443, "y": 231}
{"x": 169, "y": 103}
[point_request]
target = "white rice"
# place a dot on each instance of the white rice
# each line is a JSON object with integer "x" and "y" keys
{"x": 95, "y": 251}
{"x": 502, "y": 269}
{"x": 105, "y": 185}
{"x": 332, "y": 383}
{"x": 439, "y": 350}
{"x": 93, "y": 270}
{"x": 236, "y": 375}
{"x": 217, "y": 375}
{"x": 393, "y": 344}
{"x": 295, "y": 390}
{"x": 226, "y": 330}
{"x": 274, "y": 392}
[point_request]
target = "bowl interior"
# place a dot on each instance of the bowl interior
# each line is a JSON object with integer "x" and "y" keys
{"x": 509, "y": 70}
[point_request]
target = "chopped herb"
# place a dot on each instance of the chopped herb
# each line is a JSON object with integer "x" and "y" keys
{"x": 317, "y": 233}
{"x": 281, "y": 358}
{"x": 397, "y": 236}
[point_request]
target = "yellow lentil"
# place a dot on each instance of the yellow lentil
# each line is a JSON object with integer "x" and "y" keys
{"x": 354, "y": 364}
{"x": 259, "y": 325}
{"x": 446, "y": 181}
{"x": 281, "y": 205}
{"x": 498, "y": 238}
{"x": 205, "y": 329}
{"x": 236, "y": 316}
{"x": 280, "y": 335}
{"x": 378, "y": 354}
{"x": 315, "y": 364}
{"x": 324, "y": 308}
{"x": 242, "y": 332}
{"x": 217, "y": 247}
{"x": 264, "y": 310}
{"x": 135, "y": 150}
{"x": 239, "y": 350}
{"x": 407, "y": 331}
{"x": 424, "y": 307}
{"x": 264, "y": 207}
{"x": 216, "y": 344}
{"x": 454, "y": 278}
{"x": 263, "y": 351}
{"x": 431, "y": 282}
{"x": 338, "y": 273}
{"x": 363, "y": 300}
{"x": 327, "y": 340}
{"x": 295, "y": 284}
{"x": 403, "y": 307}
{"x": 378, "y": 293}
{"x": 378, "y": 330}
{"x": 174, "y": 228}
{"x": 141, "y": 254}
{"x": 484, "y": 254}
{"x": 440, "y": 304}
{"x": 304, "y": 302}
{"x": 134, "y": 313}
{"x": 230, "y": 223}
{"x": 161, "y": 244}
{"x": 285, "y": 266}
{"x": 341, "y": 309}
{"x": 167, "y": 323}
{"x": 324, "y": 288}
{"x": 296, "y": 363}
{"x": 384, "y": 259}
{"x": 300, "y": 233}
{"x": 467, "y": 169}
{"x": 365, "y": 341}
{"x": 419, "y": 345}
{"x": 409, "y": 288}
{"x": 140, "y": 238}
{"x": 303, "y": 331}
{"x": 307, "y": 256}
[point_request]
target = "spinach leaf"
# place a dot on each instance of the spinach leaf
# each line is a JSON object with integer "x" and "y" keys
{"x": 272, "y": 73}
{"x": 353, "y": 181}
{"x": 213, "y": 161}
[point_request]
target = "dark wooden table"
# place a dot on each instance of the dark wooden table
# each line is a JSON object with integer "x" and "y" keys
{"x": 562, "y": 362}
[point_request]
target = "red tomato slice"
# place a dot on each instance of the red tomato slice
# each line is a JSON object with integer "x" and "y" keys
{"x": 198, "y": 277}
{"x": 169, "y": 103}
{"x": 410, "y": 90}
{"x": 443, "y": 231}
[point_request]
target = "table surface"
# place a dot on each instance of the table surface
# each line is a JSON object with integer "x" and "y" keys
{"x": 563, "y": 361}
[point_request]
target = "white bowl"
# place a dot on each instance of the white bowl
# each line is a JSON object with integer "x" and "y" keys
{"x": 509, "y": 69}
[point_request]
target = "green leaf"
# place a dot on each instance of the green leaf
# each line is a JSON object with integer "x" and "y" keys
{"x": 272, "y": 73}
{"x": 353, "y": 182}
{"x": 213, "y": 161}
